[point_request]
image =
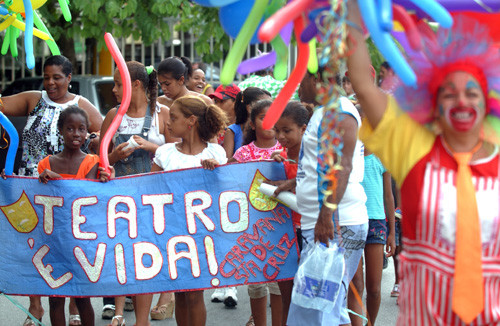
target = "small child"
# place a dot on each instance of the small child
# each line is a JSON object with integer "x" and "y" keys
{"x": 233, "y": 138}
{"x": 289, "y": 130}
{"x": 71, "y": 163}
{"x": 195, "y": 123}
{"x": 259, "y": 144}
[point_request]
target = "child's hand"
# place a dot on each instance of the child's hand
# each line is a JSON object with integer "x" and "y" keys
{"x": 105, "y": 176}
{"x": 3, "y": 174}
{"x": 209, "y": 164}
{"x": 277, "y": 157}
{"x": 46, "y": 175}
{"x": 120, "y": 153}
{"x": 145, "y": 145}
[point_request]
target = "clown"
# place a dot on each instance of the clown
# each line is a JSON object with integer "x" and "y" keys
{"x": 448, "y": 175}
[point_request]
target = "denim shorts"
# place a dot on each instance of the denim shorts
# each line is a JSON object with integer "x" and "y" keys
{"x": 377, "y": 232}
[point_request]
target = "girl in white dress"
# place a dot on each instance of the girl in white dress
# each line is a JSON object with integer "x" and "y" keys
{"x": 195, "y": 123}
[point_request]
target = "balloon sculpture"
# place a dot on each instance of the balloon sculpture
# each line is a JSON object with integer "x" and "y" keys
{"x": 11, "y": 12}
{"x": 127, "y": 95}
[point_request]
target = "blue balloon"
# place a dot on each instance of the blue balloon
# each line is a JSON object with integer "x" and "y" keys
{"x": 385, "y": 14}
{"x": 14, "y": 143}
{"x": 3, "y": 10}
{"x": 28, "y": 34}
{"x": 214, "y": 3}
{"x": 385, "y": 44}
{"x": 233, "y": 16}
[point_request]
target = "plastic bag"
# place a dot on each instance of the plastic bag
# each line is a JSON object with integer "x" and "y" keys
{"x": 319, "y": 277}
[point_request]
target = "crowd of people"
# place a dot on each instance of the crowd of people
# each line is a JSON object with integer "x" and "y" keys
{"x": 392, "y": 165}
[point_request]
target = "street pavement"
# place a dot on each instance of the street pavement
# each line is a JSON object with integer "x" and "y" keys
{"x": 217, "y": 314}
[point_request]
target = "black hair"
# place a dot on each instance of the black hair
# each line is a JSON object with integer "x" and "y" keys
{"x": 386, "y": 65}
{"x": 345, "y": 79}
{"x": 177, "y": 67}
{"x": 296, "y": 111}
{"x": 62, "y": 61}
{"x": 244, "y": 98}
{"x": 257, "y": 108}
{"x": 211, "y": 119}
{"x": 72, "y": 109}
{"x": 149, "y": 81}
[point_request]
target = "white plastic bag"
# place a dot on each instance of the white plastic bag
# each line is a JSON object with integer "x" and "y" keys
{"x": 319, "y": 277}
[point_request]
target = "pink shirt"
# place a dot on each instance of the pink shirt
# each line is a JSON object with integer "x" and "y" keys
{"x": 251, "y": 152}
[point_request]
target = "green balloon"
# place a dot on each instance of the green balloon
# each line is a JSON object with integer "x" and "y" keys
{"x": 54, "y": 49}
{"x": 6, "y": 40}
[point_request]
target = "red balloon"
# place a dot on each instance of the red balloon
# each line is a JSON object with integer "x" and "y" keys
{"x": 411, "y": 30}
{"x": 276, "y": 109}
{"x": 127, "y": 95}
{"x": 274, "y": 24}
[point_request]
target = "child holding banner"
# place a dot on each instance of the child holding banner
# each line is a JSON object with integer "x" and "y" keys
{"x": 195, "y": 123}
{"x": 289, "y": 130}
{"x": 260, "y": 144}
{"x": 71, "y": 163}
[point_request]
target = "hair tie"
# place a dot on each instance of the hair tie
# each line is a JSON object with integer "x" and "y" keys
{"x": 149, "y": 69}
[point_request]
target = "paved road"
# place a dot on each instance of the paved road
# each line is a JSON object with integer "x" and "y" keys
{"x": 218, "y": 315}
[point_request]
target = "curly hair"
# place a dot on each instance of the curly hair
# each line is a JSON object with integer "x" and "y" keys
{"x": 72, "y": 109}
{"x": 211, "y": 119}
{"x": 467, "y": 46}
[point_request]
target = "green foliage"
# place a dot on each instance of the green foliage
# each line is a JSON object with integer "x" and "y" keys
{"x": 140, "y": 19}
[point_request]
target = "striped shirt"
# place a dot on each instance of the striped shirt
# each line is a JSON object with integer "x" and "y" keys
{"x": 426, "y": 171}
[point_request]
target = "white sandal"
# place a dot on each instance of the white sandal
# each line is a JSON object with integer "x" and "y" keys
{"x": 118, "y": 317}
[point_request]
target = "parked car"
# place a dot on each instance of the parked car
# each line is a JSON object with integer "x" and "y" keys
{"x": 97, "y": 89}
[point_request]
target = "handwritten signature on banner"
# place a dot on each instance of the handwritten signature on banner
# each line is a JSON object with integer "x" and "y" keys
{"x": 168, "y": 231}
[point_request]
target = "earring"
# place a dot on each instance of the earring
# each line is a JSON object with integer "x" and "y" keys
{"x": 189, "y": 127}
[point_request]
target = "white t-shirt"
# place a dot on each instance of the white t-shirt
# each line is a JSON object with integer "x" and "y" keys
{"x": 352, "y": 209}
{"x": 169, "y": 158}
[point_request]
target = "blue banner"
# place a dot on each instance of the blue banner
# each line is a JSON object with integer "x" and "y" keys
{"x": 167, "y": 231}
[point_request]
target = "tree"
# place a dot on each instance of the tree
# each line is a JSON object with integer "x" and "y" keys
{"x": 144, "y": 20}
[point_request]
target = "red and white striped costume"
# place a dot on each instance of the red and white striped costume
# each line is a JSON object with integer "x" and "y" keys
{"x": 425, "y": 171}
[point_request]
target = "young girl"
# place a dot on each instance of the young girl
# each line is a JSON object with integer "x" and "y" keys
{"x": 289, "y": 131}
{"x": 173, "y": 76}
{"x": 233, "y": 138}
{"x": 195, "y": 123}
{"x": 71, "y": 163}
{"x": 146, "y": 122}
{"x": 259, "y": 144}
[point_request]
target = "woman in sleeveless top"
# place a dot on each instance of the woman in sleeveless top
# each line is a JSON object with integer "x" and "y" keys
{"x": 40, "y": 136}
{"x": 146, "y": 122}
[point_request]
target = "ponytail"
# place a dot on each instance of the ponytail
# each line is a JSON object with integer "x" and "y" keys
{"x": 211, "y": 119}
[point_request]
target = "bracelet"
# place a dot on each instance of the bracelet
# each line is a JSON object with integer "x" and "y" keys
{"x": 1, "y": 104}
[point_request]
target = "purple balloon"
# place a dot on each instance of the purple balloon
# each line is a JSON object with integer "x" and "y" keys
{"x": 403, "y": 41}
{"x": 267, "y": 60}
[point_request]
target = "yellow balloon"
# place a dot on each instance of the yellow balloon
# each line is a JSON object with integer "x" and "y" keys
{"x": 18, "y": 6}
